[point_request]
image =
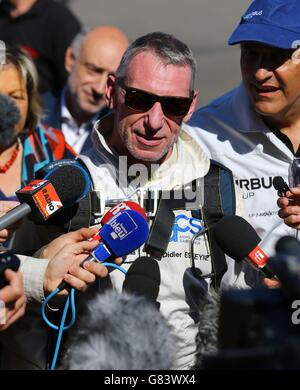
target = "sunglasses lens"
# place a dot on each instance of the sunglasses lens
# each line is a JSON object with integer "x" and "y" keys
{"x": 138, "y": 100}
{"x": 176, "y": 106}
{"x": 142, "y": 101}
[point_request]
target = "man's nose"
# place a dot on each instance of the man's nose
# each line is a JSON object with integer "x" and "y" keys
{"x": 263, "y": 67}
{"x": 262, "y": 74}
{"x": 100, "y": 84}
{"x": 155, "y": 117}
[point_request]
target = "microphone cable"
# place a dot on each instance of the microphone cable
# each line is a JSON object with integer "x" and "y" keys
{"x": 69, "y": 301}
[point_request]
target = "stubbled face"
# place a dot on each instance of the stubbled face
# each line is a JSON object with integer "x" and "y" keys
{"x": 272, "y": 79}
{"x": 150, "y": 135}
{"x": 89, "y": 72}
{"x": 12, "y": 85}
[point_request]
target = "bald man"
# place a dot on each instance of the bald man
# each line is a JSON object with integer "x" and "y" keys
{"x": 92, "y": 56}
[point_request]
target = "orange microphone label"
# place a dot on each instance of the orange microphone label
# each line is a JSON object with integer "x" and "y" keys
{"x": 32, "y": 186}
{"x": 258, "y": 257}
{"x": 47, "y": 200}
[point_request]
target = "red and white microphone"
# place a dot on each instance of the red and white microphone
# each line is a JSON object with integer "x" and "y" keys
{"x": 238, "y": 239}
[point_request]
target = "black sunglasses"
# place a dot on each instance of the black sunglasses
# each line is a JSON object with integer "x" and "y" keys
{"x": 139, "y": 100}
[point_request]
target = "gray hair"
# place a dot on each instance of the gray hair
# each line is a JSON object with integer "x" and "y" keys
{"x": 167, "y": 47}
{"x": 78, "y": 40}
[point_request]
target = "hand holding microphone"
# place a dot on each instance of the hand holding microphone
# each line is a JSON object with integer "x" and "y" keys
{"x": 50, "y": 250}
{"x": 65, "y": 268}
{"x": 288, "y": 202}
{"x": 289, "y": 207}
{"x": 121, "y": 235}
{"x": 59, "y": 249}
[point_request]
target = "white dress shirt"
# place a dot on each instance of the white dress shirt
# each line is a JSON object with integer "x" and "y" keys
{"x": 74, "y": 135}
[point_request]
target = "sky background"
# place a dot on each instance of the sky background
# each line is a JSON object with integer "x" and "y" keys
{"x": 204, "y": 25}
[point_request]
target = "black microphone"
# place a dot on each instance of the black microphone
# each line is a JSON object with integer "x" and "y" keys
{"x": 119, "y": 332}
{"x": 280, "y": 186}
{"x": 7, "y": 261}
{"x": 238, "y": 239}
{"x": 9, "y": 117}
{"x": 143, "y": 279}
{"x": 44, "y": 198}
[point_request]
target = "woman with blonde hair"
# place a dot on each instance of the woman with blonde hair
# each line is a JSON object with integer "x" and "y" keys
{"x": 25, "y": 144}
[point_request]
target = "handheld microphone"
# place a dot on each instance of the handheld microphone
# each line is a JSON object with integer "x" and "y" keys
{"x": 238, "y": 239}
{"x": 62, "y": 187}
{"x": 121, "y": 235}
{"x": 7, "y": 261}
{"x": 143, "y": 278}
{"x": 280, "y": 186}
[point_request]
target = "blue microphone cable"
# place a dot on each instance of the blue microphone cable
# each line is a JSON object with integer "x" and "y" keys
{"x": 70, "y": 300}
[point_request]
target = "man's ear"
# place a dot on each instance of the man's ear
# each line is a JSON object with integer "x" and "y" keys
{"x": 110, "y": 93}
{"x": 296, "y": 56}
{"x": 69, "y": 59}
{"x": 192, "y": 108}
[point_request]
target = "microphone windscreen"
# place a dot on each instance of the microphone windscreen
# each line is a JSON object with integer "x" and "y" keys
{"x": 208, "y": 326}
{"x": 143, "y": 278}
{"x": 125, "y": 232}
{"x": 69, "y": 182}
{"x": 236, "y": 237}
{"x": 278, "y": 183}
{"x": 9, "y": 114}
{"x": 119, "y": 332}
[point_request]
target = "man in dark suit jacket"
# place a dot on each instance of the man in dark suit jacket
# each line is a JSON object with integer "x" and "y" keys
{"x": 92, "y": 56}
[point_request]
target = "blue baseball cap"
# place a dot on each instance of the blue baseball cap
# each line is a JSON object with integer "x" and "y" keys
{"x": 271, "y": 22}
